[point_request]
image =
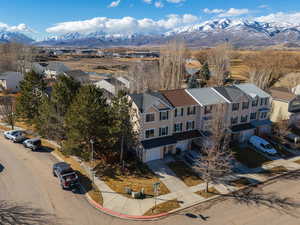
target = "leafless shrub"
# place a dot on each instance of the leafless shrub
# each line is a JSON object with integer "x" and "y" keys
{"x": 8, "y": 110}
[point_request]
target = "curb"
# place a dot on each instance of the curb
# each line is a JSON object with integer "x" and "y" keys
{"x": 113, "y": 213}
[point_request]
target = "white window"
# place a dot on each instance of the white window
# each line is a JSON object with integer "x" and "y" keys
{"x": 177, "y": 127}
{"x": 163, "y": 131}
{"x": 164, "y": 115}
{"x": 150, "y": 117}
{"x": 178, "y": 112}
{"x": 149, "y": 133}
{"x": 190, "y": 125}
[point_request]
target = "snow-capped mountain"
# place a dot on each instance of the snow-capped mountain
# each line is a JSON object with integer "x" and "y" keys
{"x": 7, "y": 36}
{"x": 239, "y": 32}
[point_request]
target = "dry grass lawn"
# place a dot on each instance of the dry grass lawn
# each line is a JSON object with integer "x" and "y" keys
{"x": 211, "y": 192}
{"x": 185, "y": 173}
{"x": 241, "y": 182}
{"x": 163, "y": 208}
{"x": 136, "y": 176}
{"x": 277, "y": 170}
{"x": 297, "y": 161}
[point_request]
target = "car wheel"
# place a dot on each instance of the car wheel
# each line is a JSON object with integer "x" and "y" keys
{"x": 54, "y": 174}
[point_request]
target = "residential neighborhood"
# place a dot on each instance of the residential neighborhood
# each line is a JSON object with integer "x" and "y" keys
{"x": 189, "y": 114}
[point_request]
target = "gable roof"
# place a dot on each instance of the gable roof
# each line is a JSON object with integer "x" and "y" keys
{"x": 205, "y": 96}
{"x": 145, "y": 100}
{"x": 57, "y": 66}
{"x": 179, "y": 98}
{"x": 252, "y": 90}
{"x": 231, "y": 93}
{"x": 282, "y": 94}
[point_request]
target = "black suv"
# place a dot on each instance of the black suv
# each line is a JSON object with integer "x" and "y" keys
{"x": 67, "y": 176}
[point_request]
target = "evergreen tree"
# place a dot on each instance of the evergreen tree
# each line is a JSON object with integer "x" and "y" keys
{"x": 87, "y": 119}
{"x": 192, "y": 82}
{"x": 50, "y": 122}
{"x": 205, "y": 72}
{"x": 122, "y": 129}
{"x": 31, "y": 93}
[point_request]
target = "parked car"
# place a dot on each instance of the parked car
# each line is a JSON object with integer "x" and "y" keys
{"x": 34, "y": 144}
{"x": 67, "y": 176}
{"x": 262, "y": 145}
{"x": 15, "y": 135}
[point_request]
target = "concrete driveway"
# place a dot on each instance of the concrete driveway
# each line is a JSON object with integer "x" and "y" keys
{"x": 166, "y": 175}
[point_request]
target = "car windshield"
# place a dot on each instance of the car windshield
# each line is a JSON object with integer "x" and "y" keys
{"x": 268, "y": 146}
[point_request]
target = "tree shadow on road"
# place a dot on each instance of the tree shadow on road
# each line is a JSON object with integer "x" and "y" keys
{"x": 23, "y": 214}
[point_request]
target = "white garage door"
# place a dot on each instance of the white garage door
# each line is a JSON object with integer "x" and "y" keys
{"x": 183, "y": 145}
{"x": 152, "y": 154}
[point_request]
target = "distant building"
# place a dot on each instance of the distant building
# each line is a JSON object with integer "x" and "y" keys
{"x": 10, "y": 81}
{"x": 78, "y": 75}
{"x": 53, "y": 69}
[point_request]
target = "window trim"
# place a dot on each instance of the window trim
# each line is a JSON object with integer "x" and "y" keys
{"x": 164, "y": 111}
{"x": 150, "y": 114}
{"x": 181, "y": 127}
{"x": 149, "y": 130}
{"x": 160, "y": 129}
{"x": 237, "y": 109}
{"x": 253, "y": 114}
{"x": 193, "y": 125}
{"x": 242, "y": 117}
{"x": 248, "y": 105}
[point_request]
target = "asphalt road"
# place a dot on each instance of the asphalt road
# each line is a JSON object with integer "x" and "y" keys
{"x": 27, "y": 178}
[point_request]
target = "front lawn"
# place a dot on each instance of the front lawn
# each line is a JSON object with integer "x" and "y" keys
{"x": 185, "y": 173}
{"x": 211, "y": 192}
{"x": 136, "y": 176}
{"x": 277, "y": 170}
{"x": 297, "y": 161}
{"x": 163, "y": 208}
{"x": 249, "y": 157}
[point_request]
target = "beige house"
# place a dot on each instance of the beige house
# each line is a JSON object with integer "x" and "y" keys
{"x": 169, "y": 121}
{"x": 285, "y": 106}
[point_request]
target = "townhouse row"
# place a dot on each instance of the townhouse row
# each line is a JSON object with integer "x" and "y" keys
{"x": 170, "y": 121}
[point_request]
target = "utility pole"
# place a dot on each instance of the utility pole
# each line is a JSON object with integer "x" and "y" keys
{"x": 92, "y": 160}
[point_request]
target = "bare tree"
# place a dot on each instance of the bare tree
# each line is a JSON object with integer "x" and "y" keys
{"x": 144, "y": 76}
{"x": 16, "y": 214}
{"x": 292, "y": 81}
{"x": 172, "y": 64}
{"x": 8, "y": 110}
{"x": 219, "y": 60}
{"x": 281, "y": 127}
{"x": 216, "y": 159}
{"x": 265, "y": 68}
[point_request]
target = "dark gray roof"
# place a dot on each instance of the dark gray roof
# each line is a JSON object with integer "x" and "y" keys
{"x": 253, "y": 90}
{"x": 158, "y": 142}
{"x": 76, "y": 73}
{"x": 145, "y": 100}
{"x": 57, "y": 66}
{"x": 231, "y": 93}
{"x": 206, "y": 96}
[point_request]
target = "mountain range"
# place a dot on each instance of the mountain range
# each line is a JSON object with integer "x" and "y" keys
{"x": 8, "y": 36}
{"x": 240, "y": 32}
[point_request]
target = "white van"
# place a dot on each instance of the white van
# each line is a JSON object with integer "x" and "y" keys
{"x": 262, "y": 145}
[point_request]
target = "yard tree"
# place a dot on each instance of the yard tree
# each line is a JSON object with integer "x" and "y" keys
{"x": 216, "y": 159}
{"x": 192, "y": 82}
{"x": 87, "y": 119}
{"x": 8, "y": 110}
{"x": 52, "y": 112}
{"x": 205, "y": 72}
{"x": 122, "y": 129}
{"x": 32, "y": 89}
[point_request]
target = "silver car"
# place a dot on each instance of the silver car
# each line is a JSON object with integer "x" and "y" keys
{"x": 15, "y": 135}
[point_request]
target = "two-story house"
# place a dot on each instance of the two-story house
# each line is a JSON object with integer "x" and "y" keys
{"x": 166, "y": 121}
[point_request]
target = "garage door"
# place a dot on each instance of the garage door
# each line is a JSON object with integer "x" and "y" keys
{"x": 152, "y": 154}
{"x": 182, "y": 145}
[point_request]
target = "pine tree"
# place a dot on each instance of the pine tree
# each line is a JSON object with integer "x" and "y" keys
{"x": 50, "y": 122}
{"x": 205, "y": 72}
{"x": 192, "y": 82}
{"x": 31, "y": 93}
{"x": 87, "y": 119}
{"x": 125, "y": 137}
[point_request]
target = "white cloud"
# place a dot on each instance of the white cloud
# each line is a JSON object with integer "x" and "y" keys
{"x": 147, "y": 1}
{"x": 263, "y": 7}
{"x": 213, "y": 11}
{"x": 281, "y": 18}
{"x": 19, "y": 28}
{"x": 159, "y": 4}
{"x": 234, "y": 12}
{"x": 114, "y": 4}
{"x": 175, "y": 1}
{"x": 125, "y": 25}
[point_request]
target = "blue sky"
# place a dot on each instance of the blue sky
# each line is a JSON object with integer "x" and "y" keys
{"x": 40, "y": 15}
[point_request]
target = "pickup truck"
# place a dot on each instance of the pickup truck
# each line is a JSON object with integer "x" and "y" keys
{"x": 67, "y": 176}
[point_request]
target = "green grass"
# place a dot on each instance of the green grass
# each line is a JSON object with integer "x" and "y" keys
{"x": 249, "y": 157}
